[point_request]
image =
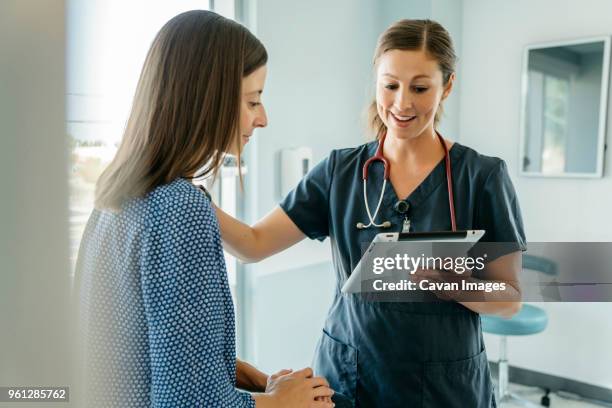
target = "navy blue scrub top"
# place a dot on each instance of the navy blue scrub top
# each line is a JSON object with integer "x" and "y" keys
{"x": 403, "y": 354}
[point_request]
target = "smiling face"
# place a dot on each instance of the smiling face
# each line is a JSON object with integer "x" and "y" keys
{"x": 252, "y": 112}
{"x": 409, "y": 89}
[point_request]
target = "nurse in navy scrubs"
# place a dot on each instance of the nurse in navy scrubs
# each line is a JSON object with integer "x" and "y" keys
{"x": 412, "y": 354}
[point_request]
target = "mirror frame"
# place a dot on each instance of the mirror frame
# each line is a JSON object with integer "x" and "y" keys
{"x": 603, "y": 107}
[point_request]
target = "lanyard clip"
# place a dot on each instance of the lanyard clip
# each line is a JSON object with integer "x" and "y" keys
{"x": 406, "y": 225}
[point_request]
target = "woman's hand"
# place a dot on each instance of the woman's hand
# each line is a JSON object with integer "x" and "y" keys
{"x": 503, "y": 270}
{"x": 272, "y": 379}
{"x": 437, "y": 276}
{"x": 297, "y": 389}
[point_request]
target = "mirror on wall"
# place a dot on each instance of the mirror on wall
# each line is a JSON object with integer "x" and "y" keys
{"x": 564, "y": 108}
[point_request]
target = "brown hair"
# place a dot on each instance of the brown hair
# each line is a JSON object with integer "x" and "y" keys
{"x": 426, "y": 35}
{"x": 185, "y": 113}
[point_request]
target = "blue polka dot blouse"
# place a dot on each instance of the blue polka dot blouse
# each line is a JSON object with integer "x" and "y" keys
{"x": 156, "y": 313}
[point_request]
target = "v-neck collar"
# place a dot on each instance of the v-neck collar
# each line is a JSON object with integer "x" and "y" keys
{"x": 431, "y": 181}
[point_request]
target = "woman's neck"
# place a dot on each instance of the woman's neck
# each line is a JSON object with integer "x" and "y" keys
{"x": 417, "y": 151}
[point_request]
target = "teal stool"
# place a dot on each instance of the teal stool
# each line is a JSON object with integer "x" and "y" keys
{"x": 530, "y": 320}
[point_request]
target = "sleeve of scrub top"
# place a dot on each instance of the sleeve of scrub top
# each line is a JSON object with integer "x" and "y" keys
{"x": 184, "y": 291}
{"x": 308, "y": 203}
{"x": 499, "y": 214}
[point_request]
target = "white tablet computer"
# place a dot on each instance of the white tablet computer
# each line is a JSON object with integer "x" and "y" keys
{"x": 353, "y": 283}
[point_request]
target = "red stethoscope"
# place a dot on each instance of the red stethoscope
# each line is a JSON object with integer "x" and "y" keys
{"x": 380, "y": 157}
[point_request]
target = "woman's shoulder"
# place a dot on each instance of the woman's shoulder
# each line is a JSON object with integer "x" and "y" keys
{"x": 348, "y": 156}
{"x": 355, "y": 151}
{"x": 475, "y": 162}
{"x": 178, "y": 194}
{"x": 179, "y": 212}
{"x": 179, "y": 200}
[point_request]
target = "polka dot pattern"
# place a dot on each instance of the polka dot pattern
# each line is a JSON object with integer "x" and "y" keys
{"x": 156, "y": 311}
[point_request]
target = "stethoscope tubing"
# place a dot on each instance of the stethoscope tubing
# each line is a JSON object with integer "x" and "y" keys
{"x": 379, "y": 156}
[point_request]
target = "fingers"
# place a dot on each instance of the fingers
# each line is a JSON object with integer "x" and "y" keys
{"x": 280, "y": 373}
{"x": 442, "y": 273}
{"x": 427, "y": 272}
{"x": 304, "y": 373}
{"x": 323, "y": 404}
{"x": 322, "y": 392}
{"x": 318, "y": 382}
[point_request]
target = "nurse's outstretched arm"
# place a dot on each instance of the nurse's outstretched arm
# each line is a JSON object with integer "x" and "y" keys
{"x": 270, "y": 235}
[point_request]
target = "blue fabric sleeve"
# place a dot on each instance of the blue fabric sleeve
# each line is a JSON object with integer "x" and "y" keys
{"x": 308, "y": 203}
{"x": 185, "y": 292}
{"x": 499, "y": 214}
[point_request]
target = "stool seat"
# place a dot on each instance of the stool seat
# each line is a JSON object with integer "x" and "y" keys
{"x": 530, "y": 320}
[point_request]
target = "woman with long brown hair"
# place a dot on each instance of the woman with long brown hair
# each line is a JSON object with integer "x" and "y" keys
{"x": 156, "y": 309}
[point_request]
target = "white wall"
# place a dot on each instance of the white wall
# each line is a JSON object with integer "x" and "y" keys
{"x": 576, "y": 343}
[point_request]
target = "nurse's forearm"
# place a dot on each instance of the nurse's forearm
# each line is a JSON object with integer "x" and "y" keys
{"x": 273, "y": 233}
{"x": 502, "y": 309}
{"x": 504, "y": 303}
